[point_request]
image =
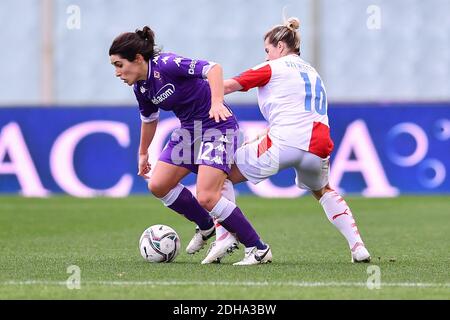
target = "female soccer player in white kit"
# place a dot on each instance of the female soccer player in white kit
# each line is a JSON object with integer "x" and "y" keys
{"x": 292, "y": 98}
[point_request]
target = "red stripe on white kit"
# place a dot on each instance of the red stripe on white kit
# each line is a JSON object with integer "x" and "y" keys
{"x": 264, "y": 145}
{"x": 320, "y": 144}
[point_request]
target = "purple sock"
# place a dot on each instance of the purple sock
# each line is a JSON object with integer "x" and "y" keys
{"x": 187, "y": 205}
{"x": 237, "y": 223}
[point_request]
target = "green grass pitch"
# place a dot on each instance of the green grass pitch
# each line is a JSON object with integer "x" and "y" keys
{"x": 408, "y": 237}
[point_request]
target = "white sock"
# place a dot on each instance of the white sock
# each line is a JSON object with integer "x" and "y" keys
{"x": 172, "y": 195}
{"x": 221, "y": 232}
{"x": 339, "y": 214}
{"x": 228, "y": 193}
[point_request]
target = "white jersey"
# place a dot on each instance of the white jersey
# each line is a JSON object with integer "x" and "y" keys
{"x": 292, "y": 98}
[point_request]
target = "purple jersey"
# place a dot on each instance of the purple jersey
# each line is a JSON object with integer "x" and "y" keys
{"x": 176, "y": 84}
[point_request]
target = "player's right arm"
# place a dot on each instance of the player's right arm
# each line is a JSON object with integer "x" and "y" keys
{"x": 149, "y": 114}
{"x": 148, "y": 130}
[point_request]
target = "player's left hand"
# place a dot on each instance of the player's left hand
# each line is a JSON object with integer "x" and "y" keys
{"x": 219, "y": 112}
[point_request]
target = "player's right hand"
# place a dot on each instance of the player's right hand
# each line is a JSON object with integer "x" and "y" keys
{"x": 219, "y": 112}
{"x": 144, "y": 166}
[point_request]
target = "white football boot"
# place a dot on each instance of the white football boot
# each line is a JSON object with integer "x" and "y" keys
{"x": 199, "y": 239}
{"x": 227, "y": 243}
{"x": 255, "y": 256}
{"x": 360, "y": 254}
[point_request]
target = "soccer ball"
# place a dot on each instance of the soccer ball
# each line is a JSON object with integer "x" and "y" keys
{"x": 159, "y": 243}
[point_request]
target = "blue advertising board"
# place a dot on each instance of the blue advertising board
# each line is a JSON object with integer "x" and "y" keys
{"x": 381, "y": 150}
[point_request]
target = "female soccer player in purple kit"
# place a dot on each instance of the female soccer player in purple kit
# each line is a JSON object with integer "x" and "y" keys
{"x": 205, "y": 143}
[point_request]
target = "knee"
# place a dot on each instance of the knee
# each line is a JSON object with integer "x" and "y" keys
{"x": 208, "y": 199}
{"x": 157, "y": 188}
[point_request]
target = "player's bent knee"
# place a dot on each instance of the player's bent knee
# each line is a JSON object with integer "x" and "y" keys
{"x": 208, "y": 199}
{"x": 158, "y": 189}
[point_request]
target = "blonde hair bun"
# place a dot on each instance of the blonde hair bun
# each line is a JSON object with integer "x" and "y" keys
{"x": 292, "y": 23}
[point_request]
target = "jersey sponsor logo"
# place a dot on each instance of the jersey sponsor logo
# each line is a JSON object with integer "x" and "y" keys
{"x": 192, "y": 66}
{"x": 163, "y": 93}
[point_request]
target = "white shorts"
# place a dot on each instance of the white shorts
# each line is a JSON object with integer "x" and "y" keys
{"x": 264, "y": 158}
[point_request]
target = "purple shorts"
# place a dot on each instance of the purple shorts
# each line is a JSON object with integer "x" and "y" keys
{"x": 212, "y": 146}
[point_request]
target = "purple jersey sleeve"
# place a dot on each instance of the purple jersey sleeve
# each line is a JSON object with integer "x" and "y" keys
{"x": 186, "y": 67}
{"x": 149, "y": 112}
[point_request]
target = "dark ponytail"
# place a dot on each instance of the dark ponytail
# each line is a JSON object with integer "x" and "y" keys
{"x": 129, "y": 44}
